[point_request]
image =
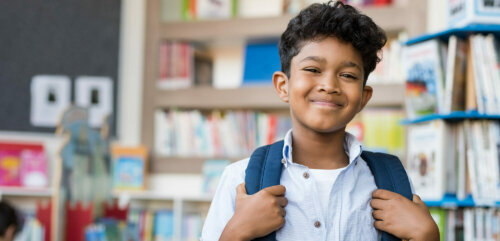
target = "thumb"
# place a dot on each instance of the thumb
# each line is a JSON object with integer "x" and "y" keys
{"x": 417, "y": 200}
{"x": 241, "y": 190}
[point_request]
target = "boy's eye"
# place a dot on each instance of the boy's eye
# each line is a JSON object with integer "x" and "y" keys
{"x": 312, "y": 70}
{"x": 350, "y": 76}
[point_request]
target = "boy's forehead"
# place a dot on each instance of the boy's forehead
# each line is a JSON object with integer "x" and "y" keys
{"x": 320, "y": 49}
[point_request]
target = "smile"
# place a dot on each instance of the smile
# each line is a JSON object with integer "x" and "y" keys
{"x": 327, "y": 104}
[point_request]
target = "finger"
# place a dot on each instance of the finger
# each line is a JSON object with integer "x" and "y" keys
{"x": 378, "y": 215}
{"x": 282, "y": 201}
{"x": 417, "y": 199}
{"x": 277, "y": 190}
{"x": 384, "y": 194}
{"x": 241, "y": 190}
{"x": 378, "y": 204}
{"x": 282, "y": 212}
{"x": 380, "y": 225}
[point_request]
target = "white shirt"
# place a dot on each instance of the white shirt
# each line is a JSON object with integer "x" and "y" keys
{"x": 349, "y": 214}
{"x": 324, "y": 179}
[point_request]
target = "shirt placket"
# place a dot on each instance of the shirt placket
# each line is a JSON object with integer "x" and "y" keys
{"x": 318, "y": 218}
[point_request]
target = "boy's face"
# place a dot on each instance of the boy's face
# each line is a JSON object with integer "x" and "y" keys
{"x": 325, "y": 89}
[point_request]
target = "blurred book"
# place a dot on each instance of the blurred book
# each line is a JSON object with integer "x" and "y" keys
{"x": 261, "y": 61}
{"x": 219, "y": 9}
{"x": 176, "y": 65}
{"x": 212, "y": 171}
{"x": 439, "y": 216}
{"x": 23, "y": 164}
{"x": 216, "y": 133}
{"x": 423, "y": 68}
{"x": 427, "y": 158}
{"x": 191, "y": 226}
{"x": 467, "y": 12}
{"x": 163, "y": 225}
{"x": 129, "y": 167}
{"x": 260, "y": 8}
{"x": 379, "y": 130}
{"x": 454, "y": 92}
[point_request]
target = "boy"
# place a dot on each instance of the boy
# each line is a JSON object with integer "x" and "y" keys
{"x": 9, "y": 224}
{"x": 327, "y": 53}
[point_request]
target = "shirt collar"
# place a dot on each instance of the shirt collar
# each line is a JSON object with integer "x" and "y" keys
{"x": 352, "y": 147}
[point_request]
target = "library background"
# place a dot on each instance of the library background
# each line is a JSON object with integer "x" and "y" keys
{"x": 118, "y": 117}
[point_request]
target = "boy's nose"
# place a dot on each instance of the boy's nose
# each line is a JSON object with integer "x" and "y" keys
{"x": 330, "y": 85}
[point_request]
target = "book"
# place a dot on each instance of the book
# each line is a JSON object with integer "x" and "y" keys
{"x": 176, "y": 65}
{"x": 261, "y": 61}
{"x": 454, "y": 98}
{"x": 163, "y": 225}
{"x": 439, "y": 216}
{"x": 212, "y": 171}
{"x": 470, "y": 81}
{"x": 260, "y": 8}
{"x": 171, "y": 10}
{"x": 427, "y": 158}
{"x": 209, "y": 9}
{"x": 129, "y": 167}
{"x": 467, "y": 12}
{"x": 23, "y": 163}
{"x": 10, "y": 165}
{"x": 33, "y": 169}
{"x": 424, "y": 74}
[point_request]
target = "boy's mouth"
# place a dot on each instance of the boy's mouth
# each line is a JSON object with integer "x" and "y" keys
{"x": 328, "y": 103}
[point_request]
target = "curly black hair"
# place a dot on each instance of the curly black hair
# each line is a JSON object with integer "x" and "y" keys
{"x": 339, "y": 20}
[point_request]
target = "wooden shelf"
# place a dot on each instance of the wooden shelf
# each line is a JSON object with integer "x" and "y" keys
{"x": 25, "y": 192}
{"x": 158, "y": 196}
{"x": 391, "y": 19}
{"x": 262, "y": 97}
{"x": 170, "y": 164}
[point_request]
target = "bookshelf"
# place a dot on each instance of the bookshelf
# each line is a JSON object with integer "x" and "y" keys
{"x": 26, "y": 192}
{"x": 408, "y": 16}
{"x": 465, "y": 196}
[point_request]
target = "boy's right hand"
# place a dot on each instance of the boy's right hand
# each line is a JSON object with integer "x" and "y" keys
{"x": 256, "y": 215}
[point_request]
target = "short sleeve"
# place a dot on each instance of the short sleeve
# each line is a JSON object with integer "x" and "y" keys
{"x": 223, "y": 204}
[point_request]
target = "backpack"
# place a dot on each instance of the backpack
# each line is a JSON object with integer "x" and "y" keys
{"x": 264, "y": 170}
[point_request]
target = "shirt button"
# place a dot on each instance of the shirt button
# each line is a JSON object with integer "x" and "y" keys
{"x": 317, "y": 224}
{"x": 306, "y": 175}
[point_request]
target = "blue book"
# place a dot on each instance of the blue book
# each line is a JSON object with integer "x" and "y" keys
{"x": 164, "y": 225}
{"x": 261, "y": 61}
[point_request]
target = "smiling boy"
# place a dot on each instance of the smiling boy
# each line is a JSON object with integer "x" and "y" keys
{"x": 327, "y": 191}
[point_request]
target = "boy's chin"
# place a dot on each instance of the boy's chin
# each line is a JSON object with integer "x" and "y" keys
{"x": 327, "y": 129}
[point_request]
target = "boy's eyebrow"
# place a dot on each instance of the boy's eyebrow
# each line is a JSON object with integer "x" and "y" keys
{"x": 347, "y": 63}
{"x": 314, "y": 58}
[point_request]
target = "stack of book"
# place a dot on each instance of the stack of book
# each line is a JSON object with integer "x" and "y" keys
{"x": 217, "y": 134}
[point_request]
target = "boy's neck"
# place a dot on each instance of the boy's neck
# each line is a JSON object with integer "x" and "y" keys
{"x": 319, "y": 151}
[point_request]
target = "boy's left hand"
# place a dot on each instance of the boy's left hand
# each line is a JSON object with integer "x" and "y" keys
{"x": 403, "y": 218}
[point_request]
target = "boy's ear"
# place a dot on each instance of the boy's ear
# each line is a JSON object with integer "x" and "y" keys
{"x": 280, "y": 82}
{"x": 366, "y": 96}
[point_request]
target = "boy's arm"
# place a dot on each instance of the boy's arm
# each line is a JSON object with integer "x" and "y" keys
{"x": 256, "y": 215}
{"x": 403, "y": 218}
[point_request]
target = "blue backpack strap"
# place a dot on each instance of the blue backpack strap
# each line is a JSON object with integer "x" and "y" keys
{"x": 389, "y": 174}
{"x": 264, "y": 170}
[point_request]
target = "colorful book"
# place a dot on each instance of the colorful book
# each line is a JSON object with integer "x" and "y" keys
{"x": 33, "y": 171}
{"x": 129, "y": 167}
{"x": 427, "y": 158}
{"x": 424, "y": 74}
{"x": 439, "y": 216}
{"x": 10, "y": 166}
